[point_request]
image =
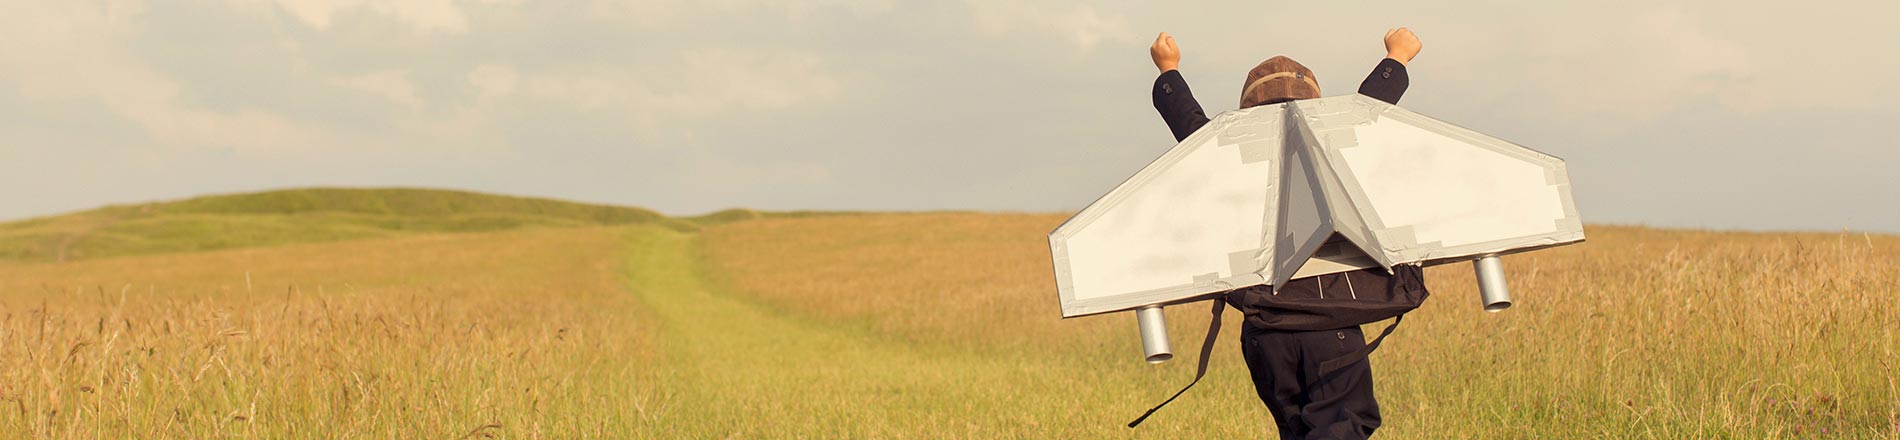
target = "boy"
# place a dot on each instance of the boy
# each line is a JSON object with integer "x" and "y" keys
{"x": 1290, "y": 337}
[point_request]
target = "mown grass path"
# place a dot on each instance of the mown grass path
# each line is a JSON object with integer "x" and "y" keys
{"x": 733, "y": 368}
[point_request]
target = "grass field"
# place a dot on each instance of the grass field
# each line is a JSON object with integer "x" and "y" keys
{"x": 1637, "y": 333}
{"x": 943, "y": 325}
{"x": 528, "y": 333}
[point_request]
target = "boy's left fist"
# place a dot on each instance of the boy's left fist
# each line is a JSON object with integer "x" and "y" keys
{"x": 1167, "y": 56}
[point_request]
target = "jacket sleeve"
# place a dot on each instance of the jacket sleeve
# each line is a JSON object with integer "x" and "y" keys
{"x": 1177, "y": 105}
{"x": 1387, "y": 82}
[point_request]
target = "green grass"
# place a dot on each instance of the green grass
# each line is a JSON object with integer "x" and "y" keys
{"x": 295, "y": 216}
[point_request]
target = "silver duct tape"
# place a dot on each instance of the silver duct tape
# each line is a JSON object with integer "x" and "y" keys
{"x": 1244, "y": 262}
{"x": 1395, "y": 241}
{"x": 1569, "y": 223}
{"x": 1339, "y": 138}
{"x": 1258, "y": 151}
{"x": 1570, "y": 204}
{"x": 1240, "y": 128}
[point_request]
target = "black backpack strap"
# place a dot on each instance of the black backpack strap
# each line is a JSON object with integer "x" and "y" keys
{"x": 1207, "y": 348}
{"x": 1329, "y": 366}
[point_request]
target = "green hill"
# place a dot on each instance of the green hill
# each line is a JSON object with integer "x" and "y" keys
{"x": 294, "y": 216}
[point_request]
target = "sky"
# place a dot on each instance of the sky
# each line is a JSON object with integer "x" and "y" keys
{"x": 1727, "y": 115}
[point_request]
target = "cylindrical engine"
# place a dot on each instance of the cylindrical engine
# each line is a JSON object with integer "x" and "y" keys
{"x": 1154, "y": 334}
{"x": 1491, "y": 290}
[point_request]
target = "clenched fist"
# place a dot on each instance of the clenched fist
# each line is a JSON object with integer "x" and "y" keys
{"x": 1400, "y": 45}
{"x": 1167, "y": 56}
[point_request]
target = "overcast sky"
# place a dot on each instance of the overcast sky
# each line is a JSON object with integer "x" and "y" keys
{"x": 1710, "y": 114}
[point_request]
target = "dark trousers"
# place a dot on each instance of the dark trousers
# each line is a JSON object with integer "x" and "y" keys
{"x": 1285, "y": 366}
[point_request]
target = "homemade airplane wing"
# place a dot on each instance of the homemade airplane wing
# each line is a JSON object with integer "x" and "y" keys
{"x": 1257, "y": 196}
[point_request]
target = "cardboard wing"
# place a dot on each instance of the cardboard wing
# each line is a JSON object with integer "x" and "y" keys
{"x": 1272, "y": 193}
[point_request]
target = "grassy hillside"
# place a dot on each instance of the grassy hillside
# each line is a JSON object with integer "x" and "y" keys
{"x": 294, "y": 216}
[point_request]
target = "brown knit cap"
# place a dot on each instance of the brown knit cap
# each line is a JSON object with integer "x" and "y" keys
{"x": 1276, "y": 80}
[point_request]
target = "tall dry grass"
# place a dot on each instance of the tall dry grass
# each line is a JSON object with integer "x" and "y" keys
{"x": 925, "y": 277}
{"x": 1637, "y": 333}
{"x": 526, "y": 334}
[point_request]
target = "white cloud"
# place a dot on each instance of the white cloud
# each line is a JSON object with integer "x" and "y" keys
{"x": 71, "y": 51}
{"x": 754, "y": 79}
{"x": 78, "y": 51}
{"x": 668, "y": 14}
{"x": 1665, "y": 57}
{"x": 422, "y": 15}
{"x": 1076, "y": 23}
{"x": 493, "y": 81}
{"x": 705, "y": 82}
{"x": 391, "y": 85}
{"x": 1640, "y": 67}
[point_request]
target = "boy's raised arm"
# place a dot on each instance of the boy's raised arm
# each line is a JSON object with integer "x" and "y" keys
{"x": 1171, "y": 95}
{"x": 1388, "y": 81}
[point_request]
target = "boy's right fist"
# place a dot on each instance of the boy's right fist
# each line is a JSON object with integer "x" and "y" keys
{"x": 1401, "y": 45}
{"x": 1167, "y": 56}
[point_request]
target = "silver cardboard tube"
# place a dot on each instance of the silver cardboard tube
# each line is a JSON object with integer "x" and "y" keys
{"x": 1491, "y": 289}
{"x": 1154, "y": 334}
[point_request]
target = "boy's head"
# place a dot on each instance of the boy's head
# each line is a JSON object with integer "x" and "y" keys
{"x": 1276, "y": 80}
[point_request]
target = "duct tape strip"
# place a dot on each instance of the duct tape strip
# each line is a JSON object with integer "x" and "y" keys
{"x": 1258, "y": 151}
{"x": 1570, "y": 223}
{"x": 1395, "y": 239}
{"x": 1248, "y": 128}
{"x": 1569, "y": 202}
{"x": 1245, "y": 262}
{"x": 1371, "y": 109}
{"x": 1339, "y": 138}
{"x": 1336, "y": 119}
{"x": 1207, "y": 278}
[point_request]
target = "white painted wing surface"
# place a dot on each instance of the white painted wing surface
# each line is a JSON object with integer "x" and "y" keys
{"x": 1191, "y": 223}
{"x": 1425, "y": 191}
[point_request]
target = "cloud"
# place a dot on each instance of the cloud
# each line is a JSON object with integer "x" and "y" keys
{"x": 390, "y": 85}
{"x": 1662, "y": 59}
{"x": 1077, "y": 23}
{"x": 653, "y": 15}
{"x": 755, "y": 80}
{"x": 493, "y": 81}
{"x": 420, "y": 15}
{"x": 66, "y": 51}
{"x": 688, "y": 105}
{"x": 1638, "y": 68}
{"x": 705, "y": 83}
